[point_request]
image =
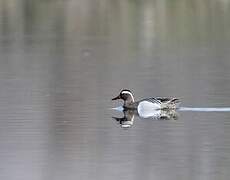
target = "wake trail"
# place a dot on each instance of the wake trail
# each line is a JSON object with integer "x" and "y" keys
{"x": 205, "y": 109}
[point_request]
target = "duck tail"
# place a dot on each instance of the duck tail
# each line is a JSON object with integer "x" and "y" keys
{"x": 175, "y": 100}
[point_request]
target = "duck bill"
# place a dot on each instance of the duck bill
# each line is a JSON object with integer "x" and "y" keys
{"x": 118, "y": 97}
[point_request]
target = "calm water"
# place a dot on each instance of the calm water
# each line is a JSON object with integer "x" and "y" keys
{"x": 61, "y": 62}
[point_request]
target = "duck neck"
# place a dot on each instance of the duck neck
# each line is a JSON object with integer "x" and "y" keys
{"x": 129, "y": 103}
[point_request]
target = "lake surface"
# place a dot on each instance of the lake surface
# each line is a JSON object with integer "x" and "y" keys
{"x": 62, "y": 62}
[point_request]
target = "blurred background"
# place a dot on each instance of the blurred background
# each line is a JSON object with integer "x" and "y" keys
{"x": 61, "y": 62}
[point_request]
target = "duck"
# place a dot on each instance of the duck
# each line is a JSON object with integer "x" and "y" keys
{"x": 148, "y": 104}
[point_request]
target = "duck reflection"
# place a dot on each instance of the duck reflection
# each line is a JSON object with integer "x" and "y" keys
{"x": 128, "y": 119}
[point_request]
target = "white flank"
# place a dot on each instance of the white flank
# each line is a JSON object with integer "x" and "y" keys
{"x": 147, "y": 109}
{"x": 127, "y": 92}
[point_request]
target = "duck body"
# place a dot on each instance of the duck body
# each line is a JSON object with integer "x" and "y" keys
{"x": 148, "y": 104}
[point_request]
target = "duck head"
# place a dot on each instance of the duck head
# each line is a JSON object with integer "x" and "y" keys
{"x": 127, "y": 96}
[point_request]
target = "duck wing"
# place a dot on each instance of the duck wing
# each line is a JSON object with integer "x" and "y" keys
{"x": 162, "y": 100}
{"x": 167, "y": 100}
{"x": 153, "y": 100}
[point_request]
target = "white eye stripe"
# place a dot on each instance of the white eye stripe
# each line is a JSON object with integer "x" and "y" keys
{"x": 127, "y": 92}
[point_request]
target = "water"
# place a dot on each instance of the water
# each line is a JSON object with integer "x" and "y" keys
{"x": 62, "y": 62}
